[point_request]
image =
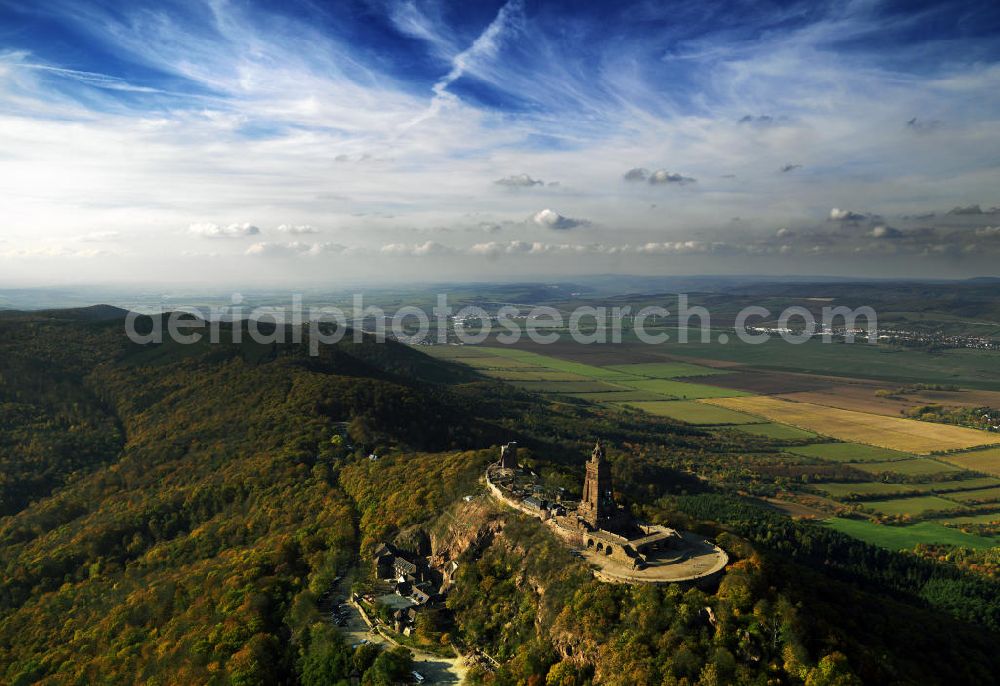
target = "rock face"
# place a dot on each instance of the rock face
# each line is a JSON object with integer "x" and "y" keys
{"x": 413, "y": 540}
{"x": 468, "y": 525}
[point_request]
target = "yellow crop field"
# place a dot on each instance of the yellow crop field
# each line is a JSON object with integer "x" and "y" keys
{"x": 985, "y": 461}
{"x": 908, "y": 435}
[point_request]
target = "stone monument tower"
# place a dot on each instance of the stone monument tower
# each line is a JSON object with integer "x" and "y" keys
{"x": 508, "y": 456}
{"x": 598, "y": 503}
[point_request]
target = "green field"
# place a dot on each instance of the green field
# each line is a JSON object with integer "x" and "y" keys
{"x": 986, "y": 461}
{"x": 988, "y": 518}
{"x": 454, "y": 352}
{"x": 962, "y": 366}
{"x": 867, "y": 488}
{"x": 665, "y": 370}
{"x": 563, "y": 386}
{"x": 919, "y": 466}
{"x": 951, "y": 489}
{"x": 533, "y": 375}
{"x": 912, "y": 506}
{"x": 692, "y": 412}
{"x": 780, "y": 432}
{"x": 496, "y": 362}
{"x": 620, "y": 396}
{"x": 848, "y": 452}
{"x": 681, "y": 389}
{"x": 983, "y": 495}
{"x": 906, "y": 537}
{"x": 559, "y": 365}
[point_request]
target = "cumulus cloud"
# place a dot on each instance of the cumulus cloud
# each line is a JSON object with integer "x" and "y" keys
{"x": 662, "y": 176}
{"x": 292, "y": 249}
{"x": 839, "y": 215}
{"x": 969, "y": 209}
{"x": 519, "y": 181}
{"x": 657, "y": 177}
{"x": 883, "y": 231}
{"x": 553, "y": 220}
{"x": 784, "y": 232}
{"x": 988, "y": 231}
{"x": 497, "y": 248}
{"x": 272, "y": 249}
{"x": 675, "y": 248}
{"x": 297, "y": 229}
{"x": 426, "y": 249}
{"x": 210, "y": 230}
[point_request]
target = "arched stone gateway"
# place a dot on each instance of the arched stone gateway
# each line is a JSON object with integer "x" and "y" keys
{"x": 590, "y": 543}
{"x": 600, "y": 546}
{"x": 607, "y": 551}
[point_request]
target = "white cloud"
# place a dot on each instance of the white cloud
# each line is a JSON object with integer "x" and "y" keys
{"x": 425, "y": 249}
{"x": 883, "y": 231}
{"x": 662, "y": 176}
{"x": 297, "y": 229}
{"x": 272, "y": 249}
{"x": 839, "y": 215}
{"x": 293, "y": 249}
{"x": 658, "y": 177}
{"x": 673, "y": 248}
{"x": 553, "y": 220}
{"x": 519, "y": 181}
{"x": 210, "y": 230}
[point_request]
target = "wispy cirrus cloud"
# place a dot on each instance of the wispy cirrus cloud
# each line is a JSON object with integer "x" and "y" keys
{"x": 225, "y": 110}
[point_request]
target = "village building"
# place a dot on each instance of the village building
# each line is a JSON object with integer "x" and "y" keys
{"x": 413, "y": 584}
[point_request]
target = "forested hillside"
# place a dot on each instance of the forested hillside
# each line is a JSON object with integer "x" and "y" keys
{"x": 171, "y": 514}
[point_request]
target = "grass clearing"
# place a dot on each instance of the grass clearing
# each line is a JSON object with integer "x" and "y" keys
{"x": 780, "y": 432}
{"x": 906, "y": 537}
{"x": 985, "y": 461}
{"x": 681, "y": 389}
{"x": 918, "y": 505}
{"x": 692, "y": 412}
{"x": 908, "y": 435}
{"x": 848, "y": 452}
{"x": 918, "y": 466}
{"x": 664, "y": 370}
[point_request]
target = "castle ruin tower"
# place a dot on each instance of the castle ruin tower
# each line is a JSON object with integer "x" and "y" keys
{"x": 598, "y": 502}
{"x": 508, "y": 456}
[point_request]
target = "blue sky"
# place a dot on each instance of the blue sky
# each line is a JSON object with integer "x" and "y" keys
{"x": 286, "y": 142}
